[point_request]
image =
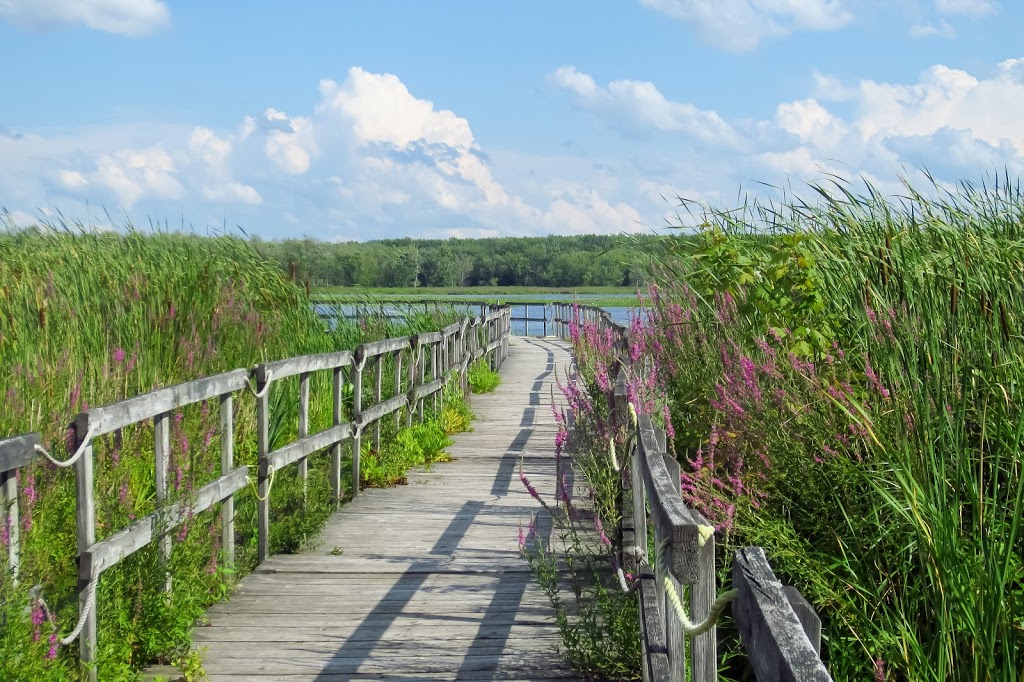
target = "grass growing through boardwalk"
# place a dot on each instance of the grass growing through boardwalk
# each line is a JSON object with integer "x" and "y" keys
{"x": 482, "y": 379}
{"x": 846, "y": 382}
{"x": 88, "y": 319}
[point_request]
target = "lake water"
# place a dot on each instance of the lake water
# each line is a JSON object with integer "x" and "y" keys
{"x": 620, "y": 314}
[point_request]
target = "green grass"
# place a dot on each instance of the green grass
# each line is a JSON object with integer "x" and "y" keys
{"x": 89, "y": 319}
{"x": 854, "y": 405}
{"x": 482, "y": 379}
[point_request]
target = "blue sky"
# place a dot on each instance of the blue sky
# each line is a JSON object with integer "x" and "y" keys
{"x": 362, "y": 120}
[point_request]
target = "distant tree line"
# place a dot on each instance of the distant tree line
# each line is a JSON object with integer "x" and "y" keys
{"x": 553, "y": 261}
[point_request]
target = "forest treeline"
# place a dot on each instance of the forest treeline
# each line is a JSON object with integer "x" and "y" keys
{"x": 553, "y": 261}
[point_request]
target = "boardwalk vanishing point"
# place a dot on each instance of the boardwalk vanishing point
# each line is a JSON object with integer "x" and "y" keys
{"x": 420, "y": 582}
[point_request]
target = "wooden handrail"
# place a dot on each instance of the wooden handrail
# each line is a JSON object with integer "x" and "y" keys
{"x": 782, "y": 642}
{"x": 452, "y": 349}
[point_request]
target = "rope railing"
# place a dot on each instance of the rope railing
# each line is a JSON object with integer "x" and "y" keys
{"x": 779, "y": 643}
{"x": 449, "y": 352}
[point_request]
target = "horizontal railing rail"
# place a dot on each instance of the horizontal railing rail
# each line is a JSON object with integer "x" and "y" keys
{"x": 433, "y": 359}
{"x": 779, "y": 630}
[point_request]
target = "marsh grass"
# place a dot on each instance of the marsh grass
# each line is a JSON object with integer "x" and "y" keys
{"x": 846, "y": 376}
{"x": 91, "y": 318}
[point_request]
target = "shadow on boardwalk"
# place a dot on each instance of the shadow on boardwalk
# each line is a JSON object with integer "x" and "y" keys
{"x": 422, "y": 582}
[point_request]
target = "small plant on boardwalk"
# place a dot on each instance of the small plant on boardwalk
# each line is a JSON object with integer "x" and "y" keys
{"x": 598, "y": 621}
{"x": 93, "y": 319}
{"x": 482, "y": 379}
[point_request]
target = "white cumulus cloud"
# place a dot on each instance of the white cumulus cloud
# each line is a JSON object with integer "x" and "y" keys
{"x": 639, "y": 105}
{"x": 124, "y": 17}
{"x": 740, "y": 25}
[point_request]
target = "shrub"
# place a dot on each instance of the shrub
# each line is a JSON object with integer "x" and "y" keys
{"x": 482, "y": 379}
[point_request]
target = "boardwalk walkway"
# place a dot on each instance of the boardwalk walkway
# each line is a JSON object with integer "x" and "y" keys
{"x": 421, "y": 582}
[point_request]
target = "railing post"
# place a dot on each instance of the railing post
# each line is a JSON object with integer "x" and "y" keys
{"x": 337, "y": 381}
{"x": 413, "y": 365}
{"x": 11, "y": 519}
{"x": 398, "y": 385}
{"x": 227, "y": 464}
{"x": 303, "y": 466}
{"x": 162, "y": 455}
{"x": 359, "y": 360}
{"x": 422, "y": 377}
{"x": 435, "y": 350}
{"x": 545, "y": 316}
{"x": 378, "y": 381}
{"x": 263, "y": 475}
{"x": 86, "y": 526}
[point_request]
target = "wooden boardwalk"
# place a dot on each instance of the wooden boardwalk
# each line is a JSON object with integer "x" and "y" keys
{"x": 420, "y": 582}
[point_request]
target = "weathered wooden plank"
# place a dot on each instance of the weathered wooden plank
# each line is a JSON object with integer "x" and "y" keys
{"x": 674, "y": 520}
{"x": 296, "y": 451}
{"x": 382, "y": 409}
{"x": 17, "y": 451}
{"x": 375, "y": 348}
{"x": 427, "y": 338}
{"x": 429, "y": 389}
{"x": 773, "y": 638}
{"x": 655, "y": 647}
{"x": 227, "y": 463}
{"x": 107, "y": 552}
{"x": 115, "y": 416}
{"x": 280, "y": 369}
{"x": 805, "y": 613}
{"x": 85, "y": 522}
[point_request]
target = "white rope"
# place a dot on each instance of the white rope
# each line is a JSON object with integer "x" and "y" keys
{"x": 71, "y": 460}
{"x": 266, "y": 386}
{"x": 270, "y": 484}
{"x": 90, "y": 598}
{"x": 641, "y": 558}
{"x": 694, "y": 629}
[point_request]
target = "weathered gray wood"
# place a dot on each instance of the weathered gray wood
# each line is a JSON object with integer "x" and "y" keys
{"x": 381, "y": 410}
{"x": 704, "y": 648}
{"x": 304, "y": 363}
{"x": 303, "y": 468}
{"x": 805, "y": 613}
{"x": 375, "y": 348}
{"x": 107, "y": 552}
{"x": 357, "y": 410}
{"x": 378, "y": 380}
{"x": 398, "y": 386}
{"x": 162, "y": 456}
{"x": 12, "y": 520}
{"x": 227, "y": 463}
{"x": 671, "y": 517}
{"x": 300, "y": 449}
{"x": 773, "y": 638}
{"x": 435, "y": 350}
{"x": 424, "y": 580}
{"x": 430, "y": 389}
{"x": 655, "y": 646}
{"x": 85, "y": 522}
{"x": 263, "y": 480}
{"x": 337, "y": 381}
{"x": 163, "y": 400}
{"x": 17, "y": 451}
{"x": 426, "y": 338}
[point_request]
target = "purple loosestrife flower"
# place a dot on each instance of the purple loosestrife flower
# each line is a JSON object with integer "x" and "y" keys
{"x": 52, "y": 653}
{"x": 529, "y": 486}
{"x": 600, "y": 530}
{"x": 118, "y": 355}
{"x": 522, "y": 539}
{"x": 38, "y": 618}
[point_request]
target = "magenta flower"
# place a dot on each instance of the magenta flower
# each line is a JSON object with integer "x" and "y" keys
{"x": 119, "y": 355}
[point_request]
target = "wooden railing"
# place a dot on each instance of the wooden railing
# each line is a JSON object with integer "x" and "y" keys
{"x": 779, "y": 630}
{"x": 431, "y": 359}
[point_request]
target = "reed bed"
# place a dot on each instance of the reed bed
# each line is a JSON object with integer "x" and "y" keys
{"x": 845, "y": 376}
{"x": 90, "y": 318}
